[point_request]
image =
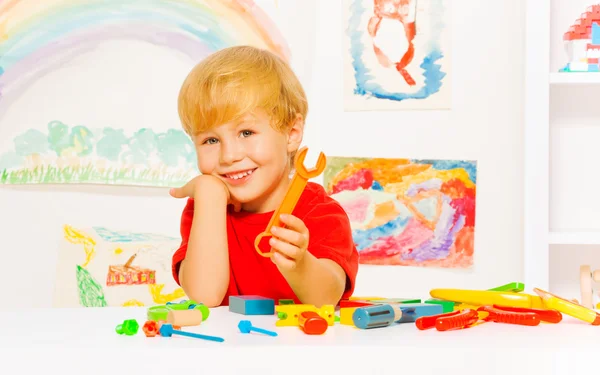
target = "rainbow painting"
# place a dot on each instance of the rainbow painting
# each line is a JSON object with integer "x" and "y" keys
{"x": 407, "y": 212}
{"x": 88, "y": 89}
{"x": 397, "y": 54}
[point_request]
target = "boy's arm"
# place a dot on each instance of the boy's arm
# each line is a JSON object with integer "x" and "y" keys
{"x": 323, "y": 260}
{"x": 204, "y": 273}
{"x": 317, "y": 281}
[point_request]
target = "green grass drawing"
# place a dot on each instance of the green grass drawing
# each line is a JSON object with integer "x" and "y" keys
{"x": 76, "y": 154}
{"x": 90, "y": 174}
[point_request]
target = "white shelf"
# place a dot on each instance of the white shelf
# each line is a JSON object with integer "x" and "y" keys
{"x": 567, "y": 78}
{"x": 574, "y": 238}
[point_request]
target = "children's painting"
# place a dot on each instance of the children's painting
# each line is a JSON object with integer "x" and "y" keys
{"x": 88, "y": 89}
{"x": 408, "y": 212}
{"x": 101, "y": 267}
{"x": 397, "y": 54}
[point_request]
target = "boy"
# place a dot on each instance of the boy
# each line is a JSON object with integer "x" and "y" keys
{"x": 244, "y": 109}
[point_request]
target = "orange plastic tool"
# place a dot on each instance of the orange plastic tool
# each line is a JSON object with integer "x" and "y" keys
{"x": 465, "y": 318}
{"x": 510, "y": 317}
{"x": 550, "y": 316}
{"x": 294, "y": 192}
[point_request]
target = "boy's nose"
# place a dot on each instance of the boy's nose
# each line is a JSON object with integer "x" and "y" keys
{"x": 231, "y": 153}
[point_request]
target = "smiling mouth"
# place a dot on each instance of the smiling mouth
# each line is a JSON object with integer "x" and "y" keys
{"x": 238, "y": 175}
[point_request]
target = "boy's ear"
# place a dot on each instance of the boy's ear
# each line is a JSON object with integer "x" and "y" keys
{"x": 296, "y": 133}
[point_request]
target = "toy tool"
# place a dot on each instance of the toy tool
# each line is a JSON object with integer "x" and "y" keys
{"x": 166, "y": 330}
{"x": 586, "y": 276}
{"x": 486, "y": 297}
{"x": 501, "y": 316}
{"x": 129, "y": 327}
{"x": 294, "y": 192}
{"x": 184, "y": 318}
{"x": 447, "y": 306}
{"x": 552, "y": 301}
{"x": 245, "y": 326}
{"x": 549, "y": 316}
{"x": 463, "y": 319}
{"x": 510, "y": 287}
{"x": 376, "y": 316}
{"x": 160, "y": 312}
{"x": 288, "y": 314}
{"x": 426, "y": 322}
{"x": 151, "y": 328}
{"x": 312, "y": 323}
{"x": 412, "y": 311}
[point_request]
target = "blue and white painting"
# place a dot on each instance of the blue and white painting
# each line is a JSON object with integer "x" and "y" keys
{"x": 397, "y": 54}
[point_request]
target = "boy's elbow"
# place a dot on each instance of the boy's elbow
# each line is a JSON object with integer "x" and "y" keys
{"x": 207, "y": 299}
{"x": 194, "y": 291}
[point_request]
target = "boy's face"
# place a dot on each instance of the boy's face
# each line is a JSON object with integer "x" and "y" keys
{"x": 251, "y": 158}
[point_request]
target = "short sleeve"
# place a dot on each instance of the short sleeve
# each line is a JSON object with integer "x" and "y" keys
{"x": 331, "y": 238}
{"x": 184, "y": 229}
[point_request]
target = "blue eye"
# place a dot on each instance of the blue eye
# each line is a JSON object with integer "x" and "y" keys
{"x": 210, "y": 141}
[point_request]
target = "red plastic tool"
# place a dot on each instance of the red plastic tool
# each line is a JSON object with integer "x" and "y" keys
{"x": 464, "y": 319}
{"x": 426, "y": 322}
{"x": 550, "y": 316}
{"x": 312, "y": 323}
{"x": 501, "y": 316}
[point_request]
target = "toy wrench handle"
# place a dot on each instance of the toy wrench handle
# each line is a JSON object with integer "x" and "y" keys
{"x": 549, "y": 316}
{"x": 464, "y": 319}
{"x": 295, "y": 190}
{"x": 501, "y": 316}
{"x": 426, "y": 322}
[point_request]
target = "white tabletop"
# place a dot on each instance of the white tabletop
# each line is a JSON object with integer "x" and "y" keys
{"x": 84, "y": 339}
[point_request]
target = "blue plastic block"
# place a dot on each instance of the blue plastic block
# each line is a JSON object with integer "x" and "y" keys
{"x": 595, "y": 33}
{"x": 412, "y": 311}
{"x": 593, "y": 68}
{"x": 251, "y": 305}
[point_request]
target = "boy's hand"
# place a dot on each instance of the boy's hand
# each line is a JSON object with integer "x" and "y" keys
{"x": 290, "y": 243}
{"x": 206, "y": 185}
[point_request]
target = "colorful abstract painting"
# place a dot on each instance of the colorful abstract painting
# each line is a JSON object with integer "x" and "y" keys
{"x": 88, "y": 89}
{"x": 397, "y": 54}
{"x": 407, "y": 212}
{"x": 100, "y": 267}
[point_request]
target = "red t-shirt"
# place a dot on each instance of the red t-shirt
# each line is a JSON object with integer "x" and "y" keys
{"x": 252, "y": 274}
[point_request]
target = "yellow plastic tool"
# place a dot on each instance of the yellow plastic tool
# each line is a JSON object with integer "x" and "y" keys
{"x": 289, "y": 314}
{"x": 487, "y": 297}
{"x": 555, "y": 302}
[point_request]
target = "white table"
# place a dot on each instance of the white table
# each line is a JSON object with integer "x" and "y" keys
{"x": 84, "y": 340}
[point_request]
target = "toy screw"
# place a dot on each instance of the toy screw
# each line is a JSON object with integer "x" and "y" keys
{"x": 129, "y": 327}
{"x": 245, "y": 326}
{"x": 166, "y": 330}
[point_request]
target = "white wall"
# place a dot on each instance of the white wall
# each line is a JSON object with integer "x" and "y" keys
{"x": 485, "y": 124}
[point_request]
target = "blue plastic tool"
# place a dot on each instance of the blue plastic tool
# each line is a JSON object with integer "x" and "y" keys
{"x": 167, "y": 330}
{"x": 412, "y": 311}
{"x": 376, "y": 316}
{"x": 245, "y": 326}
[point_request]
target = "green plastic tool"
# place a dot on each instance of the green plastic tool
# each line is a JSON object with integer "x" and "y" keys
{"x": 160, "y": 312}
{"x": 129, "y": 327}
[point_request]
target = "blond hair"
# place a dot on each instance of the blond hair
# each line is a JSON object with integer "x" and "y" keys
{"x": 234, "y": 81}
